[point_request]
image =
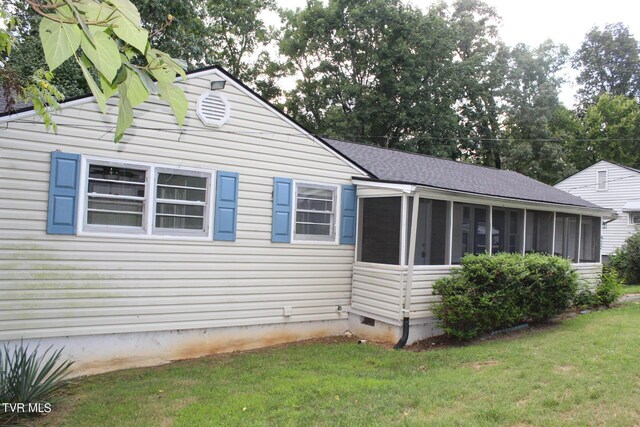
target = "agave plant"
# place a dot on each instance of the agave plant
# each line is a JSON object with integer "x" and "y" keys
{"x": 29, "y": 377}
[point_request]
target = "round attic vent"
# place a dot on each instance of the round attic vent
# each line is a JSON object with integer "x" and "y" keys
{"x": 213, "y": 109}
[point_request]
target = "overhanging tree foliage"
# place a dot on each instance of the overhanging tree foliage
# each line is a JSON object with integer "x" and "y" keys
{"x": 108, "y": 43}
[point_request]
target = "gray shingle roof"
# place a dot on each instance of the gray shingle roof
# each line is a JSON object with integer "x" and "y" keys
{"x": 399, "y": 166}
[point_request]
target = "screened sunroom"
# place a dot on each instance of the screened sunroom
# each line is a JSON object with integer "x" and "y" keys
{"x": 420, "y": 215}
{"x": 446, "y": 230}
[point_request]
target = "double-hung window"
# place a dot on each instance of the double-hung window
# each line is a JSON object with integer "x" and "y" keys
{"x": 181, "y": 202}
{"x": 146, "y": 199}
{"x": 315, "y": 216}
{"x": 116, "y": 196}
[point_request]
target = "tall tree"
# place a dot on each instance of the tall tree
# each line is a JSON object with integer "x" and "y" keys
{"x": 608, "y": 62}
{"x": 374, "y": 70}
{"x": 178, "y": 28}
{"x": 610, "y": 130}
{"x": 531, "y": 106}
{"x": 238, "y": 37}
{"x": 481, "y": 66}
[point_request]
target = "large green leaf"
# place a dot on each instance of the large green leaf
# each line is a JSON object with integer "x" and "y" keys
{"x": 108, "y": 87}
{"x": 80, "y": 18}
{"x": 94, "y": 11}
{"x": 103, "y": 53}
{"x": 135, "y": 90}
{"x": 130, "y": 33}
{"x": 95, "y": 90}
{"x": 145, "y": 78}
{"x": 129, "y": 10}
{"x": 176, "y": 99}
{"x": 125, "y": 117}
{"x": 59, "y": 41}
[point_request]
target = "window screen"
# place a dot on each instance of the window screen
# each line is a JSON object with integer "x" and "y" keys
{"x": 380, "y": 230}
{"x": 431, "y": 232}
{"x": 469, "y": 230}
{"x": 590, "y": 239}
{"x": 507, "y": 233}
{"x": 566, "y": 239}
{"x": 539, "y": 232}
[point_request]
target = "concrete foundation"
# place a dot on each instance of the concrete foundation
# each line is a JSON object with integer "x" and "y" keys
{"x": 94, "y": 354}
{"x": 419, "y": 329}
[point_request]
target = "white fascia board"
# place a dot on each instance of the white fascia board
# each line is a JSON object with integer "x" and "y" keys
{"x": 405, "y": 188}
{"x": 29, "y": 113}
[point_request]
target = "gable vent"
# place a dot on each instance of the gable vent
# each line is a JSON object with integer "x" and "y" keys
{"x": 213, "y": 109}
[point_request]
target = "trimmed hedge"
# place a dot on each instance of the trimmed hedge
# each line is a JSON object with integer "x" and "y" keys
{"x": 489, "y": 293}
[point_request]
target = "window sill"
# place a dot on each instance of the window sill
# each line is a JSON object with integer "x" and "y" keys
{"x": 142, "y": 236}
{"x": 315, "y": 242}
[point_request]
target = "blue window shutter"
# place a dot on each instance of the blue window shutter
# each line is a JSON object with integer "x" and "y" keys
{"x": 348, "y": 220}
{"x": 63, "y": 193}
{"x": 282, "y": 206}
{"x": 226, "y": 214}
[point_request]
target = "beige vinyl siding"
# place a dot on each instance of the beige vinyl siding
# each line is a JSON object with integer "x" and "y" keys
{"x": 54, "y": 285}
{"x": 623, "y": 185}
{"x": 589, "y": 273}
{"x": 377, "y": 291}
{"x": 422, "y": 290}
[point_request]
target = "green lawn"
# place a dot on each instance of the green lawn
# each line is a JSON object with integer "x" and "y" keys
{"x": 585, "y": 371}
{"x": 632, "y": 289}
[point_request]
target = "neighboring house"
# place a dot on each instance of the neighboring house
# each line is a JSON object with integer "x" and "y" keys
{"x": 615, "y": 187}
{"x": 242, "y": 229}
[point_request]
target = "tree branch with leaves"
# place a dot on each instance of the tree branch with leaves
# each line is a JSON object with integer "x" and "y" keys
{"x": 106, "y": 39}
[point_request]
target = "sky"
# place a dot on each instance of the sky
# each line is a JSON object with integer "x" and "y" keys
{"x": 563, "y": 21}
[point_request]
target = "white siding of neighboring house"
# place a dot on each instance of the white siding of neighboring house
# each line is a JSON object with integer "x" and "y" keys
{"x": 53, "y": 285}
{"x": 623, "y": 185}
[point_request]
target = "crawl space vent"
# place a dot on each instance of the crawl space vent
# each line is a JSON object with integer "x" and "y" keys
{"x": 213, "y": 109}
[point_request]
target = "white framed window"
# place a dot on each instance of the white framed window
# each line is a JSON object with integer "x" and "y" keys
{"x": 634, "y": 218}
{"x": 314, "y": 219}
{"x": 601, "y": 180}
{"x": 124, "y": 198}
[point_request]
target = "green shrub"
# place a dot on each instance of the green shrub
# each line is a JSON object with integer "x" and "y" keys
{"x": 585, "y": 297}
{"x": 627, "y": 260}
{"x": 494, "y": 292}
{"x": 30, "y": 376}
{"x": 609, "y": 287}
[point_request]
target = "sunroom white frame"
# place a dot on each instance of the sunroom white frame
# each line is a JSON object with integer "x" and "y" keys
{"x": 399, "y": 279}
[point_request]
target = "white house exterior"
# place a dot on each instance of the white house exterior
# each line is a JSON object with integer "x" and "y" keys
{"x": 239, "y": 230}
{"x": 615, "y": 187}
